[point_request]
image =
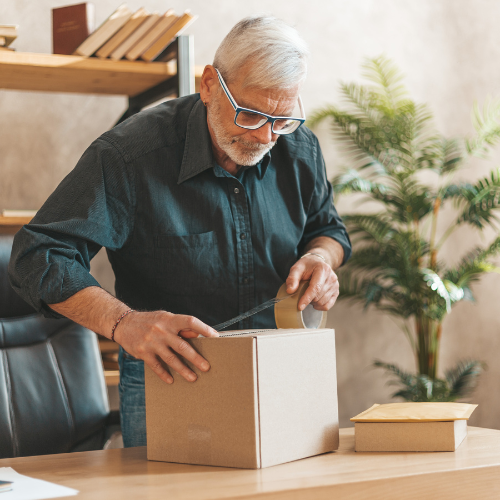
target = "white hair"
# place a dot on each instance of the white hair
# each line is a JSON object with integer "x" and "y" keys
{"x": 276, "y": 51}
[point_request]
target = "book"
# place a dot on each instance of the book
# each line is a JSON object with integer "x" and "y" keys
{"x": 157, "y": 48}
{"x": 169, "y": 53}
{"x": 9, "y": 33}
{"x": 105, "y": 31}
{"x": 132, "y": 24}
{"x": 71, "y": 25}
{"x": 151, "y": 36}
{"x": 121, "y": 50}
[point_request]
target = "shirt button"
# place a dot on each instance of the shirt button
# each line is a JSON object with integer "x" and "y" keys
{"x": 243, "y": 236}
{"x": 236, "y": 190}
{"x": 245, "y": 280}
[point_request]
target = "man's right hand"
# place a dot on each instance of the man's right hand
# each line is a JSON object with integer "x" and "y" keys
{"x": 159, "y": 336}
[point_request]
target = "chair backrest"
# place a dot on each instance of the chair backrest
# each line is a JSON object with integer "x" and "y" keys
{"x": 52, "y": 389}
{"x": 11, "y": 305}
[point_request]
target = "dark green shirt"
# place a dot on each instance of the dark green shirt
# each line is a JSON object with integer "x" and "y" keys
{"x": 181, "y": 233}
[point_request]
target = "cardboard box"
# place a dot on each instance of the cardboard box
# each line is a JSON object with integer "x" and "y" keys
{"x": 409, "y": 436}
{"x": 270, "y": 397}
{"x": 428, "y": 426}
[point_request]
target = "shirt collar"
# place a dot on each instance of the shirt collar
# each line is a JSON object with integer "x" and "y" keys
{"x": 198, "y": 155}
{"x": 198, "y": 146}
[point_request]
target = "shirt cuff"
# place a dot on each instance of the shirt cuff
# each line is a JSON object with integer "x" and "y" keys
{"x": 75, "y": 279}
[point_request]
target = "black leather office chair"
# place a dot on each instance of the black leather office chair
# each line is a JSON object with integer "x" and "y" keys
{"x": 52, "y": 391}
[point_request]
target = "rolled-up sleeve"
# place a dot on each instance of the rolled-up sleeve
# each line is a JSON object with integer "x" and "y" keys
{"x": 322, "y": 216}
{"x": 93, "y": 207}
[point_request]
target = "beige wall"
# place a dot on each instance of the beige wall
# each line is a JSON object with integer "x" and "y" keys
{"x": 449, "y": 51}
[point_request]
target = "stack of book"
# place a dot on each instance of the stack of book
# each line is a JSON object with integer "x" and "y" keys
{"x": 8, "y": 33}
{"x": 123, "y": 35}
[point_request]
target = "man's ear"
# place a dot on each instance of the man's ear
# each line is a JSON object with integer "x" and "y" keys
{"x": 208, "y": 84}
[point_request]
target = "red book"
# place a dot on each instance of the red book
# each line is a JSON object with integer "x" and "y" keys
{"x": 71, "y": 25}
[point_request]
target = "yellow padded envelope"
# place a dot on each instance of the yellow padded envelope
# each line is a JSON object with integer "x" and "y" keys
{"x": 416, "y": 412}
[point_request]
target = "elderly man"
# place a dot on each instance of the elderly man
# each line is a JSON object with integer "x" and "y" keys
{"x": 200, "y": 220}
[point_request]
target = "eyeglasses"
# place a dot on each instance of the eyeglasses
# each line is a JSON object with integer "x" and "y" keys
{"x": 250, "y": 119}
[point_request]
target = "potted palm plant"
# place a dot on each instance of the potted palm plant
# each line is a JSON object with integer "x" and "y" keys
{"x": 398, "y": 161}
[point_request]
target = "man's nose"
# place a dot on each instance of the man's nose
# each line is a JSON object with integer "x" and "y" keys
{"x": 264, "y": 134}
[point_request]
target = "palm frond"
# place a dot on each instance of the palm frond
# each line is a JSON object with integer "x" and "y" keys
{"x": 446, "y": 289}
{"x": 363, "y": 143}
{"x": 414, "y": 387}
{"x": 453, "y": 155}
{"x": 404, "y": 377}
{"x": 361, "y": 102}
{"x": 406, "y": 200}
{"x": 350, "y": 286}
{"x": 481, "y": 201}
{"x": 320, "y": 115}
{"x": 442, "y": 155}
{"x": 416, "y": 200}
{"x": 370, "y": 227}
{"x": 462, "y": 379}
{"x": 388, "y": 82}
{"x": 458, "y": 383}
{"x": 380, "y": 128}
{"x": 473, "y": 266}
{"x": 487, "y": 125}
{"x": 358, "y": 138}
{"x": 365, "y": 290}
{"x": 395, "y": 258}
{"x": 351, "y": 181}
{"x": 456, "y": 191}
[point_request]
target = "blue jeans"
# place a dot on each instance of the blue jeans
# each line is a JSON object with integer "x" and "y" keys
{"x": 132, "y": 400}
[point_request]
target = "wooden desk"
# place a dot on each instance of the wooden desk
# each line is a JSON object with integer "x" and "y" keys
{"x": 472, "y": 472}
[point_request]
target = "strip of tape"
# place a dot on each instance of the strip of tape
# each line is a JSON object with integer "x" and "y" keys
{"x": 286, "y": 311}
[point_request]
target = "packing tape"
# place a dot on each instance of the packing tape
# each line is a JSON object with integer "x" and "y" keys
{"x": 287, "y": 314}
{"x": 286, "y": 311}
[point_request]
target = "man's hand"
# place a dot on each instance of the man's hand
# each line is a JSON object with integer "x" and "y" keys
{"x": 150, "y": 336}
{"x": 323, "y": 288}
{"x": 159, "y": 336}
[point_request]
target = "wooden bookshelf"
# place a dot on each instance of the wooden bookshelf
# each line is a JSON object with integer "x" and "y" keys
{"x": 142, "y": 82}
{"x": 82, "y": 75}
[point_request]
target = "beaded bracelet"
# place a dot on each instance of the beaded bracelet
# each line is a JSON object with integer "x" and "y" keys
{"x": 118, "y": 322}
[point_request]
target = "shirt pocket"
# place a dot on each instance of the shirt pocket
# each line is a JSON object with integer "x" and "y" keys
{"x": 188, "y": 264}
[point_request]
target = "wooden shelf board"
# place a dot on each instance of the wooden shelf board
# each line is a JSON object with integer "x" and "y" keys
{"x": 14, "y": 221}
{"x": 60, "y": 73}
{"x": 112, "y": 377}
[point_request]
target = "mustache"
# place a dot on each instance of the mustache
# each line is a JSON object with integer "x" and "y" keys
{"x": 255, "y": 146}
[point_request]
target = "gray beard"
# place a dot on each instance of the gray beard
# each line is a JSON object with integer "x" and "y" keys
{"x": 229, "y": 144}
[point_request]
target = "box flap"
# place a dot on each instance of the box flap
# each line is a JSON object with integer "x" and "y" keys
{"x": 272, "y": 332}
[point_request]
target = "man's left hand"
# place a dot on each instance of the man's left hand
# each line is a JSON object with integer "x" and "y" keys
{"x": 323, "y": 288}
